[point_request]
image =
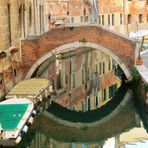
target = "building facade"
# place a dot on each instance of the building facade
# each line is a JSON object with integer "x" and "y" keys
{"x": 24, "y": 19}
{"x": 123, "y": 16}
{"x": 19, "y": 20}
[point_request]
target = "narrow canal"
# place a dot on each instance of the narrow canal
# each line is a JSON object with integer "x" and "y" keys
{"x": 88, "y": 86}
{"x": 125, "y": 129}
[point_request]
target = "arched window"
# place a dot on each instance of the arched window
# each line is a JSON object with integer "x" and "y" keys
{"x": 140, "y": 18}
{"x": 129, "y": 18}
{"x": 30, "y": 16}
{"x": 22, "y": 20}
{"x": 9, "y": 24}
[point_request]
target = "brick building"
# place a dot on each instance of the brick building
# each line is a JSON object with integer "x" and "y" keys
{"x": 19, "y": 20}
{"x": 24, "y": 19}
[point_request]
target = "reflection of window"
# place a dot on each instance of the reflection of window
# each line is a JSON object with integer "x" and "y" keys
{"x": 112, "y": 90}
{"x": 104, "y": 94}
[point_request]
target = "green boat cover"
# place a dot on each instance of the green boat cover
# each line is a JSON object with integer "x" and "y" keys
{"x": 11, "y": 115}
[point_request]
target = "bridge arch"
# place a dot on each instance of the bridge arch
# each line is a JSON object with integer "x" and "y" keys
{"x": 77, "y": 44}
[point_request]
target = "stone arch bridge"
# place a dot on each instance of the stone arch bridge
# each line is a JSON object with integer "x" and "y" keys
{"x": 36, "y": 50}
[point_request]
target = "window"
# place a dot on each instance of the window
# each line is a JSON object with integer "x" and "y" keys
{"x": 88, "y": 104}
{"x": 103, "y": 67}
{"x": 22, "y": 20}
{"x": 30, "y": 16}
{"x": 72, "y": 19}
{"x": 9, "y": 25}
{"x": 100, "y": 71}
{"x": 70, "y": 67}
{"x": 59, "y": 76}
{"x": 66, "y": 79}
{"x": 96, "y": 101}
{"x": 81, "y": 18}
{"x": 121, "y": 21}
{"x": 109, "y": 64}
{"x": 140, "y": 18}
{"x": 99, "y": 19}
{"x": 88, "y": 74}
{"x": 129, "y": 18}
{"x": 15, "y": 73}
{"x": 96, "y": 68}
{"x": 41, "y": 17}
{"x": 100, "y": 68}
{"x": 113, "y": 21}
{"x": 74, "y": 84}
{"x": 108, "y": 19}
{"x": 102, "y": 19}
{"x": 86, "y": 19}
{"x": 103, "y": 94}
{"x": 83, "y": 74}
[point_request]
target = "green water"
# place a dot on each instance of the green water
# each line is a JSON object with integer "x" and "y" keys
{"x": 47, "y": 133}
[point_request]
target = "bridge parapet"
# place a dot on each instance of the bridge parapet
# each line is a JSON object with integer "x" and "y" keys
{"x": 36, "y": 49}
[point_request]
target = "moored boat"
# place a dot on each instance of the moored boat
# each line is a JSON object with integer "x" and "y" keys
{"x": 15, "y": 115}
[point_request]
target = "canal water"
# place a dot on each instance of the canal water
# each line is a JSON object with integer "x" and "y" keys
{"x": 93, "y": 82}
{"x": 126, "y": 129}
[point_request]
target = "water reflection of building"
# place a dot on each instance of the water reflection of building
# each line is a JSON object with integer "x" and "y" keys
{"x": 50, "y": 134}
{"x": 83, "y": 79}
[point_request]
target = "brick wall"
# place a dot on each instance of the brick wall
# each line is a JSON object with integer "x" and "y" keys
{"x": 32, "y": 50}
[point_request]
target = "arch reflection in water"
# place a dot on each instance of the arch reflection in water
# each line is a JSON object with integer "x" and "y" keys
{"x": 46, "y": 133}
{"x": 82, "y": 79}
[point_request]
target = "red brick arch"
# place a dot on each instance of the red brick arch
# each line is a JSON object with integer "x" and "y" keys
{"x": 121, "y": 48}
